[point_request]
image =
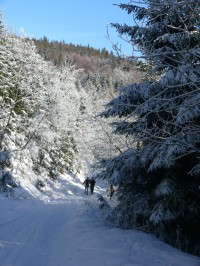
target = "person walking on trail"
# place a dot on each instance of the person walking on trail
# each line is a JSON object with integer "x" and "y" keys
{"x": 92, "y": 184}
{"x": 86, "y": 183}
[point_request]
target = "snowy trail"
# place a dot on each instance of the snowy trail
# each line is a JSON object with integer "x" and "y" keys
{"x": 58, "y": 235}
{"x": 70, "y": 232}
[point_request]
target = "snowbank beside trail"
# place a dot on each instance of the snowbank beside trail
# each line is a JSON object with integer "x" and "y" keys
{"x": 60, "y": 188}
{"x": 65, "y": 228}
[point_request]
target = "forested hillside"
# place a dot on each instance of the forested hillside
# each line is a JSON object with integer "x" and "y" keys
{"x": 49, "y": 121}
{"x": 83, "y": 57}
{"x": 100, "y": 75}
{"x": 100, "y": 69}
{"x": 40, "y": 108}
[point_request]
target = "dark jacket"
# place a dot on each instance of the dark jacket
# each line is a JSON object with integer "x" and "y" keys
{"x": 92, "y": 182}
{"x": 86, "y": 182}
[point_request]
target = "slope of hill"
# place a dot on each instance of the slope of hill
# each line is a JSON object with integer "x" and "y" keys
{"x": 84, "y": 57}
{"x": 87, "y": 58}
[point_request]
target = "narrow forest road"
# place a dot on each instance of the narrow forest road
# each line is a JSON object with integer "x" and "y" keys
{"x": 59, "y": 234}
{"x": 71, "y": 232}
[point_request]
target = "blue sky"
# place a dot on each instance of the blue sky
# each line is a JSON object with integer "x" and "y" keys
{"x": 77, "y": 21}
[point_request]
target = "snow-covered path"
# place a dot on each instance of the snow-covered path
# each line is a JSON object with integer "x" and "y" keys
{"x": 71, "y": 232}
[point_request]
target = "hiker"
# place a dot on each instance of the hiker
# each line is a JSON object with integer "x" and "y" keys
{"x": 86, "y": 183}
{"x": 111, "y": 191}
{"x": 92, "y": 184}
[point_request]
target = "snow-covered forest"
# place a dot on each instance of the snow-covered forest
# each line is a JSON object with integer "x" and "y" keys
{"x": 137, "y": 130}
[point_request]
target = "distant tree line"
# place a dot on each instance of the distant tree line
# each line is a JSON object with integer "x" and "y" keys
{"x": 83, "y": 57}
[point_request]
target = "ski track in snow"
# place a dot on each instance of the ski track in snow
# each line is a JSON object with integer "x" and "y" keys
{"x": 67, "y": 229}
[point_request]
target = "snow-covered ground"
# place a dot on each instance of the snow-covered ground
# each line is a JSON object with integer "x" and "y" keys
{"x": 66, "y": 228}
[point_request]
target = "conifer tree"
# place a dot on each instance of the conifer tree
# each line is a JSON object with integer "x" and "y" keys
{"x": 158, "y": 177}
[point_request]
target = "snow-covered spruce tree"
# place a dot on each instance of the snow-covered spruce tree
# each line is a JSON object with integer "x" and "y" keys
{"x": 22, "y": 100}
{"x": 38, "y": 114}
{"x": 158, "y": 177}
